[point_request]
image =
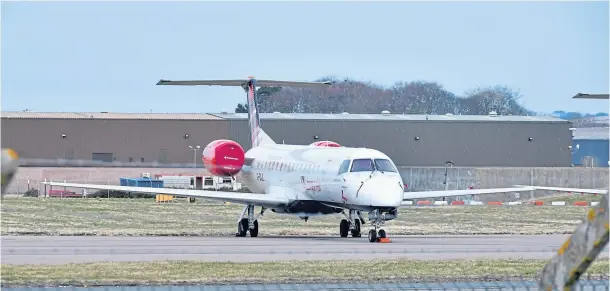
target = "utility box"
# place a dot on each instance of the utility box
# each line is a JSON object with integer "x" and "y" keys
{"x": 164, "y": 198}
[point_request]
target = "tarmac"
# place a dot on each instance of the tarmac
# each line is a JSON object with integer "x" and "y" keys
{"x": 79, "y": 249}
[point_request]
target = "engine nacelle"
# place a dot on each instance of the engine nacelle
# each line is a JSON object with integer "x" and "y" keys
{"x": 223, "y": 157}
{"x": 325, "y": 143}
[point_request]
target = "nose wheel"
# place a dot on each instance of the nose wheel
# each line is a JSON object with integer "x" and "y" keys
{"x": 374, "y": 235}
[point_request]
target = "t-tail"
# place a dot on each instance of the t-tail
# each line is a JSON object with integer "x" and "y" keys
{"x": 258, "y": 136}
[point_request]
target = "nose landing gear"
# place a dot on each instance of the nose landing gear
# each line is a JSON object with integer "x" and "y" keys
{"x": 377, "y": 221}
{"x": 376, "y": 236}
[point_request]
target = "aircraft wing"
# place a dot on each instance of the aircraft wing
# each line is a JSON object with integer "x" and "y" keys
{"x": 449, "y": 193}
{"x": 241, "y": 82}
{"x": 234, "y": 197}
{"x": 575, "y": 190}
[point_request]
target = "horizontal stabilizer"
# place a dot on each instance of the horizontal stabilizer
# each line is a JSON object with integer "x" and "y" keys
{"x": 243, "y": 82}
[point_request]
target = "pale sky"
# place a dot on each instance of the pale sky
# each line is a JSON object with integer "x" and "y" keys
{"x": 108, "y": 56}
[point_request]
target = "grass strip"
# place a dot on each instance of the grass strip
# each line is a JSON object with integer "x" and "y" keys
{"x": 141, "y": 217}
{"x": 190, "y": 272}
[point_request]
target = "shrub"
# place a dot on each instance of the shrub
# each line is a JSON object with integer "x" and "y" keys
{"x": 32, "y": 192}
{"x": 118, "y": 194}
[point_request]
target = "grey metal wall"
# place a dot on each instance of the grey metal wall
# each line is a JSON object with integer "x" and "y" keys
{"x": 153, "y": 140}
{"x": 467, "y": 144}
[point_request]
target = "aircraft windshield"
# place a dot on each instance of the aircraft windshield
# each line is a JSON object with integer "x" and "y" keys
{"x": 384, "y": 165}
{"x": 367, "y": 165}
{"x": 362, "y": 165}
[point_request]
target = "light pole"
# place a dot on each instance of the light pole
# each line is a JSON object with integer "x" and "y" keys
{"x": 195, "y": 149}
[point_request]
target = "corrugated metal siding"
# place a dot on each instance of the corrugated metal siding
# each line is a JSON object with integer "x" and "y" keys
{"x": 591, "y": 133}
{"x": 40, "y": 138}
{"x": 466, "y": 144}
{"x": 597, "y": 149}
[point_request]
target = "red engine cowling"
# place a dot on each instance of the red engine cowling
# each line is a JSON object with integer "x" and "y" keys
{"x": 223, "y": 157}
{"x": 325, "y": 143}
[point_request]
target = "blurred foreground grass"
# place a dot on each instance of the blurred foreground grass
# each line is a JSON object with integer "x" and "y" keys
{"x": 188, "y": 272}
{"x": 136, "y": 217}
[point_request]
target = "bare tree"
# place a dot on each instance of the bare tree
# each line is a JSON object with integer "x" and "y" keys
{"x": 416, "y": 97}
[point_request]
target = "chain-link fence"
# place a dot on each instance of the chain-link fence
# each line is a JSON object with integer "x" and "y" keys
{"x": 514, "y": 283}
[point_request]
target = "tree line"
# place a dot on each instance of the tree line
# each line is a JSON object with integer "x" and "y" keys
{"x": 415, "y": 97}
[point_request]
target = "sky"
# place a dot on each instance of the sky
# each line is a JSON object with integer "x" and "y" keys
{"x": 108, "y": 56}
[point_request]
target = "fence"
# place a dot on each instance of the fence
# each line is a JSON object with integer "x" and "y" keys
{"x": 585, "y": 285}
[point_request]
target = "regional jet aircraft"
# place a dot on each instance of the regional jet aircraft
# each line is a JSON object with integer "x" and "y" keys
{"x": 303, "y": 180}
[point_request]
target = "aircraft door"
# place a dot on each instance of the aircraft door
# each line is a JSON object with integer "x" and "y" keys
{"x": 335, "y": 183}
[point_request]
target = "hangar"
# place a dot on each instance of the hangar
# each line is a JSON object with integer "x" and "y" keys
{"x": 410, "y": 140}
{"x": 590, "y": 147}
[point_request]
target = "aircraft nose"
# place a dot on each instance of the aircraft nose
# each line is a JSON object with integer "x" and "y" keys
{"x": 384, "y": 192}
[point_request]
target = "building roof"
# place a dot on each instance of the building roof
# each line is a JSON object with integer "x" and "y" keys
{"x": 107, "y": 115}
{"x": 591, "y": 133}
{"x": 407, "y": 117}
{"x": 281, "y": 116}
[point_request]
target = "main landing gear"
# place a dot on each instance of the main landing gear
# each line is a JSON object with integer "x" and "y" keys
{"x": 351, "y": 224}
{"x": 250, "y": 223}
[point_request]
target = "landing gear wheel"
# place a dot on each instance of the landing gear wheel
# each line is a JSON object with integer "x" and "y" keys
{"x": 356, "y": 232}
{"x": 343, "y": 228}
{"x": 242, "y": 227}
{"x": 372, "y": 236}
{"x": 254, "y": 231}
{"x": 381, "y": 233}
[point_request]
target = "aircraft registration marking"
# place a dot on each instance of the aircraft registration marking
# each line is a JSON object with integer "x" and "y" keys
{"x": 260, "y": 177}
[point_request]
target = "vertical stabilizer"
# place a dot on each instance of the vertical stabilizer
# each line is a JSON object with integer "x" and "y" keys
{"x": 257, "y": 134}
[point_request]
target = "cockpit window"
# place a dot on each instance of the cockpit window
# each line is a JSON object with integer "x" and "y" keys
{"x": 384, "y": 165}
{"x": 362, "y": 165}
{"x": 344, "y": 167}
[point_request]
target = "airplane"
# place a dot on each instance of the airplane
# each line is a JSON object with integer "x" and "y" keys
{"x": 321, "y": 178}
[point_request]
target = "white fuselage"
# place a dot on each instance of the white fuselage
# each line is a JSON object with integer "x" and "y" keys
{"x": 324, "y": 180}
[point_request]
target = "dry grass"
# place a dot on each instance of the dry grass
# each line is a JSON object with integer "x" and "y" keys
{"x": 136, "y": 217}
{"x": 187, "y": 272}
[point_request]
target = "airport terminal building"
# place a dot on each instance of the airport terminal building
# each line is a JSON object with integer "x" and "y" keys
{"x": 410, "y": 140}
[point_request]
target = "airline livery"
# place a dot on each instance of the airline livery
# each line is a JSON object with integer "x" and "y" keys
{"x": 303, "y": 180}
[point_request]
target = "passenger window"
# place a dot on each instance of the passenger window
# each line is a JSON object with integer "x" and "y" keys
{"x": 344, "y": 167}
{"x": 362, "y": 165}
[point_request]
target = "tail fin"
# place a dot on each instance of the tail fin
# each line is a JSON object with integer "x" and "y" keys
{"x": 257, "y": 135}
